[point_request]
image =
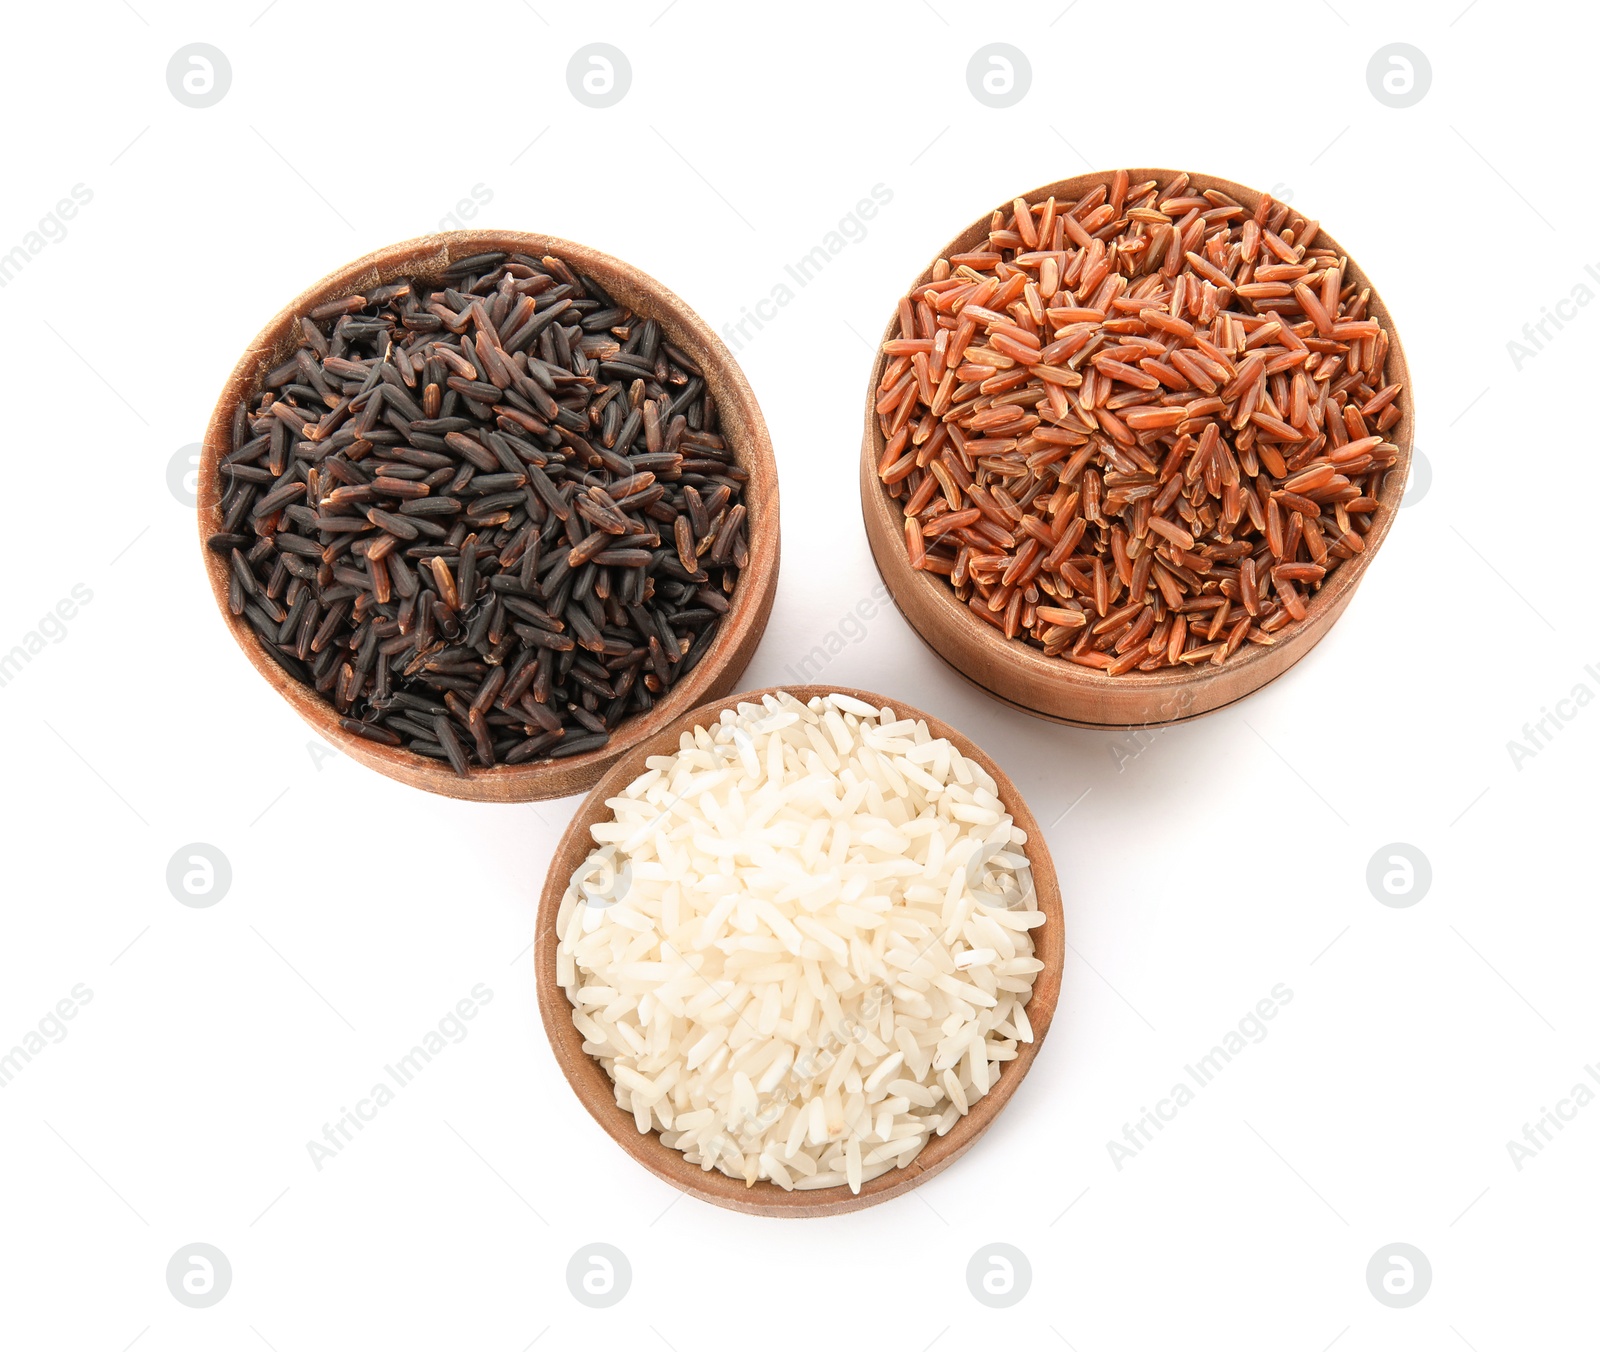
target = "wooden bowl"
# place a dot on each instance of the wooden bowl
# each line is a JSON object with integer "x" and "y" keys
{"x": 742, "y": 424}
{"x": 594, "y": 1087}
{"x": 1054, "y": 688}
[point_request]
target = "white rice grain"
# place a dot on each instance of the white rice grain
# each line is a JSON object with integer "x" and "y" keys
{"x": 816, "y": 947}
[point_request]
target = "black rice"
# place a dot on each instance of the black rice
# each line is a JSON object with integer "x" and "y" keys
{"x": 487, "y": 516}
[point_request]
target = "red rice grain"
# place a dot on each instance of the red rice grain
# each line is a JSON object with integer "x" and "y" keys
{"x": 1140, "y": 429}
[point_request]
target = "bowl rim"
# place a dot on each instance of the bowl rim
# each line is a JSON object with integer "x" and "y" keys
{"x": 750, "y": 604}
{"x": 592, "y": 1086}
{"x": 1331, "y": 596}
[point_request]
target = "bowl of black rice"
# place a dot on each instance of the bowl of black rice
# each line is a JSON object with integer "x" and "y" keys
{"x": 489, "y": 508}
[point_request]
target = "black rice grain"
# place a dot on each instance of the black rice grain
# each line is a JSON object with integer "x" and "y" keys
{"x": 488, "y": 516}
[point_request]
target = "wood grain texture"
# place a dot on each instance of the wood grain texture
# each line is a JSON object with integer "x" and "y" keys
{"x": 593, "y": 1086}
{"x": 746, "y": 430}
{"x": 1021, "y": 675}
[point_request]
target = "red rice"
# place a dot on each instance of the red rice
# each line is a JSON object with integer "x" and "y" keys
{"x": 1140, "y": 429}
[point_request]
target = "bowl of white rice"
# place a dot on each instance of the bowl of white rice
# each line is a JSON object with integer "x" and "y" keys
{"x": 798, "y": 949}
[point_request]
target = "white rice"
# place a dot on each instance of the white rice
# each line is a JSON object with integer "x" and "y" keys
{"x": 801, "y": 947}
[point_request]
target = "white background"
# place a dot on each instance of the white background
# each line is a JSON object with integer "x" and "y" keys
{"x": 1228, "y": 856}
